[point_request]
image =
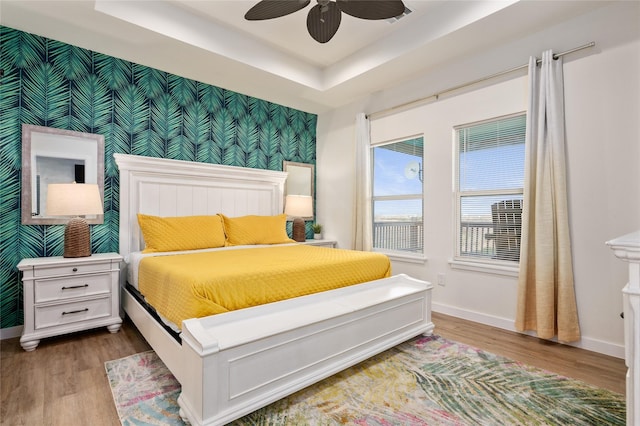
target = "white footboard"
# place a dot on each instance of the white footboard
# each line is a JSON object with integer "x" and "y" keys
{"x": 237, "y": 362}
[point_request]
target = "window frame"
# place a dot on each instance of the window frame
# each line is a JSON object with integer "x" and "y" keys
{"x": 410, "y": 256}
{"x": 477, "y": 263}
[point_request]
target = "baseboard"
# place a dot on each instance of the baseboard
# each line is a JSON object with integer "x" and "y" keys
{"x": 10, "y": 332}
{"x": 594, "y": 345}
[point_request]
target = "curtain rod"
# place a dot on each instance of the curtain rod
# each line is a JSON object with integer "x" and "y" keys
{"x": 416, "y": 102}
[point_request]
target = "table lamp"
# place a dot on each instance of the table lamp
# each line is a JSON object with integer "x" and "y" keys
{"x": 74, "y": 199}
{"x": 297, "y": 207}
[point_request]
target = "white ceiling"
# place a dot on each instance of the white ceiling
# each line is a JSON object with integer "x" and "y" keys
{"x": 276, "y": 59}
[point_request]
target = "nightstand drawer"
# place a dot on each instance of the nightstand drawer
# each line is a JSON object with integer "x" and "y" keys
{"x": 86, "y": 310}
{"x": 68, "y": 287}
{"x": 73, "y": 269}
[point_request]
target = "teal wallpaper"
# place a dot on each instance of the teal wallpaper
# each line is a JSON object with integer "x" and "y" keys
{"x": 139, "y": 110}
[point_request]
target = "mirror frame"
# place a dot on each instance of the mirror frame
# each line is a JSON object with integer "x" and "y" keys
{"x": 28, "y": 132}
{"x": 287, "y": 166}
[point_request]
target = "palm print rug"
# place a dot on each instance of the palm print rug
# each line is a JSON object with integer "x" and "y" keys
{"x": 424, "y": 381}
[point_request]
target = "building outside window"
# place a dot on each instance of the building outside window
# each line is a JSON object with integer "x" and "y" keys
{"x": 489, "y": 189}
{"x": 397, "y": 199}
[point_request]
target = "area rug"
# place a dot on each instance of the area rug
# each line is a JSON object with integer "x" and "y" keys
{"x": 425, "y": 381}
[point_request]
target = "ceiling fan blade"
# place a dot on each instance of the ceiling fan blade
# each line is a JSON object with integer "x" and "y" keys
{"x": 323, "y": 21}
{"x": 372, "y": 9}
{"x": 269, "y": 9}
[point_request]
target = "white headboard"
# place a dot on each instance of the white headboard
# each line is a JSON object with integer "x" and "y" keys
{"x": 164, "y": 187}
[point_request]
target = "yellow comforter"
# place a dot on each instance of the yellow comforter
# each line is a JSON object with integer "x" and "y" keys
{"x": 200, "y": 284}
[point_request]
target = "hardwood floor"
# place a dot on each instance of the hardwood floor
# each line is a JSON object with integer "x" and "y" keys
{"x": 590, "y": 367}
{"x": 63, "y": 382}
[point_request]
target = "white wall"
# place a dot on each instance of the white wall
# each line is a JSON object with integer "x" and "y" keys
{"x": 602, "y": 102}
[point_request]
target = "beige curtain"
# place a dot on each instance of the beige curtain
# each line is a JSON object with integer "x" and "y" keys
{"x": 546, "y": 295}
{"x": 362, "y": 208}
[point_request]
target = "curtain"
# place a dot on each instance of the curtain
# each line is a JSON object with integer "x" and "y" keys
{"x": 546, "y": 294}
{"x": 362, "y": 217}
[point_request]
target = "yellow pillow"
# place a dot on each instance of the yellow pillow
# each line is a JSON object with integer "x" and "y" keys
{"x": 256, "y": 230}
{"x": 181, "y": 233}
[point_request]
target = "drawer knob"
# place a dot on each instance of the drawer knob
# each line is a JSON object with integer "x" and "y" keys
{"x": 75, "y": 286}
{"x": 76, "y": 312}
{"x": 75, "y": 269}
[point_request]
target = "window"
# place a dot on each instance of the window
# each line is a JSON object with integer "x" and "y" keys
{"x": 489, "y": 187}
{"x": 397, "y": 196}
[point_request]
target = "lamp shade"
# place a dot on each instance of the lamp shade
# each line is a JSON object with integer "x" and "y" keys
{"x": 298, "y": 205}
{"x": 73, "y": 199}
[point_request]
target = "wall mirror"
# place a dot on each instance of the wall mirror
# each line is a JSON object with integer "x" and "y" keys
{"x": 299, "y": 180}
{"x": 57, "y": 156}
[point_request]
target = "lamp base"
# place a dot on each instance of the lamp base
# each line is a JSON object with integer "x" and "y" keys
{"x": 77, "y": 238}
{"x": 298, "y": 230}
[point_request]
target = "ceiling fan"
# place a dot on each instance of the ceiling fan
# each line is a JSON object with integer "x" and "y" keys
{"x": 324, "y": 18}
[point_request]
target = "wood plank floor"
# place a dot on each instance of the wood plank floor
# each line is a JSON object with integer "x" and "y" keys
{"x": 590, "y": 367}
{"x": 63, "y": 382}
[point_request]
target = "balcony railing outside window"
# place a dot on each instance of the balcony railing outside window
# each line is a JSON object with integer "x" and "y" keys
{"x": 398, "y": 236}
{"x": 474, "y": 241}
{"x": 477, "y": 239}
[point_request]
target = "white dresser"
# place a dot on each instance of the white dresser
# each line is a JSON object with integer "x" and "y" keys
{"x": 627, "y": 248}
{"x": 63, "y": 295}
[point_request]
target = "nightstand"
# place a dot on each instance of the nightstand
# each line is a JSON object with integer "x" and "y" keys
{"x": 63, "y": 295}
{"x": 323, "y": 243}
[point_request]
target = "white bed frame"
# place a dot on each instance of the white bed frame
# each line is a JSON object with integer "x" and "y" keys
{"x": 234, "y": 363}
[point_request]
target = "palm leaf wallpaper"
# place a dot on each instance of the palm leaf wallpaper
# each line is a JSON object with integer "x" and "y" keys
{"x": 139, "y": 110}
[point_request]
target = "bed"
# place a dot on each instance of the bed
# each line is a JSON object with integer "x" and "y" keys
{"x": 233, "y": 363}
